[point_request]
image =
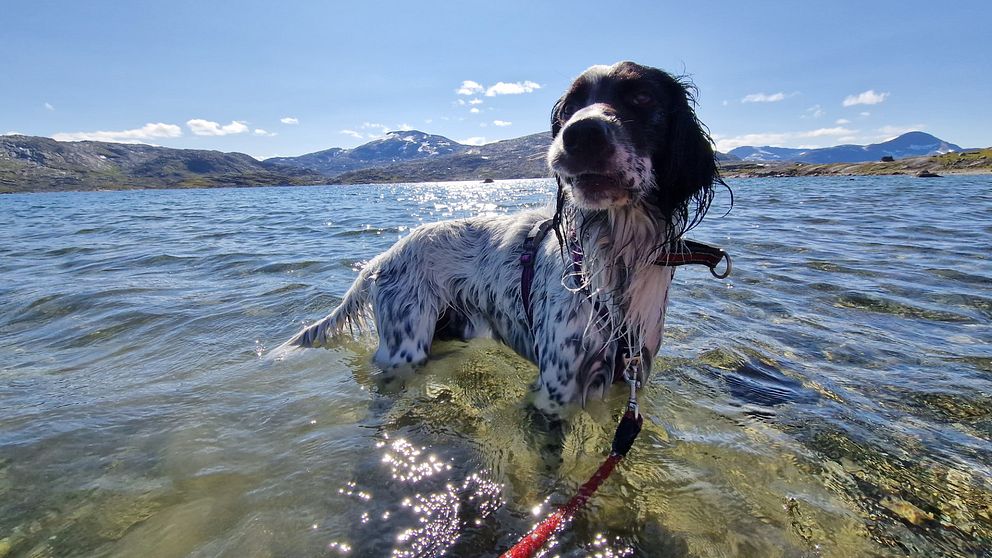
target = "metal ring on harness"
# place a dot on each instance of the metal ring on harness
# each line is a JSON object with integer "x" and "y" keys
{"x": 726, "y": 273}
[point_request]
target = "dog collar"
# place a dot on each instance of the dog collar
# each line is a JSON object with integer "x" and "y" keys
{"x": 685, "y": 252}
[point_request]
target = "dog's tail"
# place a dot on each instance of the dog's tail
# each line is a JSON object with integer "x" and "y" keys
{"x": 354, "y": 314}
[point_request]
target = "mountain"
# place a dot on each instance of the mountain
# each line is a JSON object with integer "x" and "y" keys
{"x": 37, "y": 164}
{"x": 395, "y": 147}
{"x": 969, "y": 161}
{"x": 522, "y": 157}
{"x": 765, "y": 154}
{"x": 414, "y": 156}
{"x": 910, "y": 144}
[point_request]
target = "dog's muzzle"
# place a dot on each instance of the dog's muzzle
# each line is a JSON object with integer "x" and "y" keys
{"x": 589, "y": 139}
{"x": 586, "y": 156}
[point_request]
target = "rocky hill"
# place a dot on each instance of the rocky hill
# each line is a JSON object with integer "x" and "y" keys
{"x": 970, "y": 161}
{"x": 910, "y": 144}
{"x": 522, "y": 157}
{"x": 395, "y": 147}
{"x": 36, "y": 164}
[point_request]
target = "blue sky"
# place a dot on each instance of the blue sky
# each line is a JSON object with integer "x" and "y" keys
{"x": 289, "y": 78}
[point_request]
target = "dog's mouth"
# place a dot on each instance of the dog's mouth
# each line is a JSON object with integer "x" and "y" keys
{"x": 596, "y": 190}
{"x": 591, "y": 182}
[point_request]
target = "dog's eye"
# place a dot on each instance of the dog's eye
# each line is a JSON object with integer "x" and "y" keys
{"x": 640, "y": 99}
{"x": 568, "y": 110}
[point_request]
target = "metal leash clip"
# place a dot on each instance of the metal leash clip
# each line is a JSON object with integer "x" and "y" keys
{"x": 631, "y": 369}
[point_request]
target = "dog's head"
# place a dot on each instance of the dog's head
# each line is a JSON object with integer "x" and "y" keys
{"x": 627, "y": 134}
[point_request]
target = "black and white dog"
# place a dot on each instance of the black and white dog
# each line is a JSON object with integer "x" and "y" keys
{"x": 635, "y": 170}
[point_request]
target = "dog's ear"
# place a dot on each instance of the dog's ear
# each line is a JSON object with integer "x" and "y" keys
{"x": 555, "y": 118}
{"x": 685, "y": 166}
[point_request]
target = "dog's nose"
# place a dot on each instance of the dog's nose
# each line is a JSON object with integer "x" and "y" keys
{"x": 588, "y": 137}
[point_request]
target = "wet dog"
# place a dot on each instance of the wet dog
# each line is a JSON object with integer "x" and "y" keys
{"x": 635, "y": 170}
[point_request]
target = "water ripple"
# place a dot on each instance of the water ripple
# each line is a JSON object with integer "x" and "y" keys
{"x": 829, "y": 399}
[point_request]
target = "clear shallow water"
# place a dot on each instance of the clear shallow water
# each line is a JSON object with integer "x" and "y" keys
{"x": 833, "y": 398}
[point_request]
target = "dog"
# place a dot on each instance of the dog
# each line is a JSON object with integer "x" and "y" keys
{"x": 635, "y": 170}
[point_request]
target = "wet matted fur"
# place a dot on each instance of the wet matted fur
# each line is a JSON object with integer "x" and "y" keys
{"x": 635, "y": 170}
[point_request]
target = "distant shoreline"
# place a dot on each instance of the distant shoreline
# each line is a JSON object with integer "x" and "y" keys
{"x": 36, "y": 164}
{"x": 971, "y": 162}
{"x": 782, "y": 171}
{"x": 796, "y": 171}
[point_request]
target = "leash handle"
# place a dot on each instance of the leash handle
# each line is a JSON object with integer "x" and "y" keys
{"x": 627, "y": 431}
{"x": 692, "y": 252}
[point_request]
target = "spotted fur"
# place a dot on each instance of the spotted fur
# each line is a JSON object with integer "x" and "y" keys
{"x": 635, "y": 170}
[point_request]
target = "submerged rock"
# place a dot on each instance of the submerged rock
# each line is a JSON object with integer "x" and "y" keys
{"x": 906, "y": 510}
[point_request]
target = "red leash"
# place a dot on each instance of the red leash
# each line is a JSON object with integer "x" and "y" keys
{"x": 627, "y": 431}
{"x": 686, "y": 252}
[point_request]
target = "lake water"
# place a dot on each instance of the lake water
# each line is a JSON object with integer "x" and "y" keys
{"x": 832, "y": 398}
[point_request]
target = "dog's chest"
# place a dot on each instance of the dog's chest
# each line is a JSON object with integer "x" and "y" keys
{"x": 647, "y": 301}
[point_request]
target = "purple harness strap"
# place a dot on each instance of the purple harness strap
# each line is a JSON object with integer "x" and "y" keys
{"x": 527, "y": 257}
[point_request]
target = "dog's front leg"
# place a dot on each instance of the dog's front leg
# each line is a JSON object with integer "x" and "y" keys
{"x": 576, "y": 360}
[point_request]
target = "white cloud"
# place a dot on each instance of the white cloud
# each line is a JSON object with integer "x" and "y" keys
{"x": 137, "y": 135}
{"x": 815, "y": 111}
{"x": 474, "y": 140}
{"x": 261, "y": 132}
{"x": 375, "y": 130}
{"x": 783, "y": 139}
{"x": 821, "y": 132}
{"x": 375, "y": 126}
{"x": 49, "y": 106}
{"x": 888, "y": 132}
{"x": 201, "y": 127}
{"x": 865, "y": 114}
{"x": 502, "y": 123}
{"x": 289, "y": 120}
{"x": 763, "y": 98}
{"x": 471, "y": 102}
{"x": 866, "y": 98}
{"x": 503, "y": 88}
{"x": 469, "y": 87}
{"x": 842, "y": 121}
